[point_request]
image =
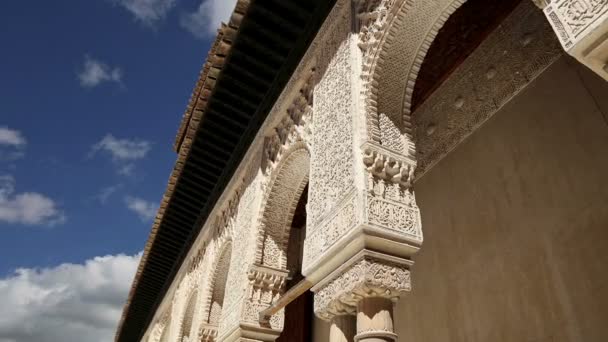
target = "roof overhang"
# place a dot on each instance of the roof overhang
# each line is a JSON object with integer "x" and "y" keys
{"x": 252, "y": 59}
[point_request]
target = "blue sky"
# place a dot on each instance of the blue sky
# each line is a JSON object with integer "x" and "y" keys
{"x": 91, "y": 95}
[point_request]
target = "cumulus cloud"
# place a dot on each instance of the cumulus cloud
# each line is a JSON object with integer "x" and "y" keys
{"x": 67, "y": 303}
{"x": 147, "y": 11}
{"x": 12, "y": 144}
{"x": 123, "y": 152}
{"x": 146, "y": 210}
{"x": 95, "y": 72}
{"x": 207, "y": 18}
{"x": 28, "y": 208}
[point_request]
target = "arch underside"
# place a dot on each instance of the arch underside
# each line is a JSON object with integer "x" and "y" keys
{"x": 286, "y": 187}
{"x": 213, "y": 312}
{"x": 187, "y": 322}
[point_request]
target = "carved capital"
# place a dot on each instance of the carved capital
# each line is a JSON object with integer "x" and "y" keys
{"x": 582, "y": 29}
{"x": 367, "y": 274}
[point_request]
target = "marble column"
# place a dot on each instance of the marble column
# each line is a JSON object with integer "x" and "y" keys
{"x": 366, "y": 286}
{"x": 375, "y": 320}
{"x": 343, "y": 328}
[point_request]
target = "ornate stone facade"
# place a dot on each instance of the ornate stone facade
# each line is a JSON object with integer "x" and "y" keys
{"x": 343, "y": 127}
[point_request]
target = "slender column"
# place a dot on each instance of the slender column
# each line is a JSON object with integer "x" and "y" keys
{"x": 343, "y": 328}
{"x": 375, "y": 320}
{"x": 367, "y": 285}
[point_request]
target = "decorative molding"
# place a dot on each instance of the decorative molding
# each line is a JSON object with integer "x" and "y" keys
{"x": 387, "y": 165}
{"x": 368, "y": 274}
{"x": 266, "y": 285}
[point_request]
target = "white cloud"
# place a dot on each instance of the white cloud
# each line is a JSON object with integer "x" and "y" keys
{"x": 104, "y": 194}
{"x": 207, "y": 19}
{"x": 11, "y": 137}
{"x": 144, "y": 209}
{"x": 147, "y": 11}
{"x": 124, "y": 152}
{"x": 95, "y": 72}
{"x": 67, "y": 303}
{"x": 12, "y": 144}
{"x": 28, "y": 208}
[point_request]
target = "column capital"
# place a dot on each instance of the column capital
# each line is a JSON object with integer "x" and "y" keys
{"x": 367, "y": 274}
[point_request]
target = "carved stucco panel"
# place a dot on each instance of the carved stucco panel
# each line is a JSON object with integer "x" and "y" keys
{"x": 243, "y": 247}
{"x": 334, "y": 227}
{"x": 331, "y": 172}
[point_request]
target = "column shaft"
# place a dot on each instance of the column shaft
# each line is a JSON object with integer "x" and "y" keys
{"x": 375, "y": 320}
{"x": 343, "y": 328}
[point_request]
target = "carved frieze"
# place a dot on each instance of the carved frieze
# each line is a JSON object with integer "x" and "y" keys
{"x": 331, "y": 229}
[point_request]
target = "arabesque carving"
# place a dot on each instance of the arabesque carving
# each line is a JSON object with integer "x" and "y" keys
{"x": 332, "y": 168}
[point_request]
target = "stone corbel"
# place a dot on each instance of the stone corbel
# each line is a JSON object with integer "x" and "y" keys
{"x": 582, "y": 29}
{"x": 366, "y": 286}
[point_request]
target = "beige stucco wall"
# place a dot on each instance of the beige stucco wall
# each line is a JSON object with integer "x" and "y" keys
{"x": 516, "y": 224}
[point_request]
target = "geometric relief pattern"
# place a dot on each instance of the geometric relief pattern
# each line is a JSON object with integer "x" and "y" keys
{"x": 505, "y": 62}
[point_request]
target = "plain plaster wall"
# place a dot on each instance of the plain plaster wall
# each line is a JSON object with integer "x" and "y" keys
{"x": 515, "y": 223}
